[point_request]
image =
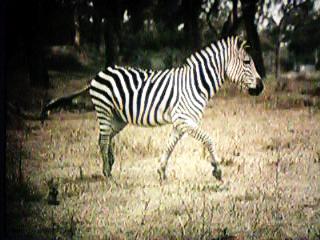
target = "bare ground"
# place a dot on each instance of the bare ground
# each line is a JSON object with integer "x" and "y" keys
{"x": 270, "y": 160}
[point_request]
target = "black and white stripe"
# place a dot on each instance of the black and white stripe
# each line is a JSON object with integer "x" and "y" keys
{"x": 125, "y": 95}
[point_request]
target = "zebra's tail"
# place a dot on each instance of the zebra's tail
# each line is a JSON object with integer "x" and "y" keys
{"x": 61, "y": 101}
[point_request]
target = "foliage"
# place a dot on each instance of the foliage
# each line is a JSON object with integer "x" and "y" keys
{"x": 304, "y": 39}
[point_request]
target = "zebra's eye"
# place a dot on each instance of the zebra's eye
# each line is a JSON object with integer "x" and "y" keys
{"x": 246, "y": 61}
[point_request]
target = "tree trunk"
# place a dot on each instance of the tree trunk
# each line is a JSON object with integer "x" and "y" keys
{"x": 110, "y": 40}
{"x": 191, "y": 27}
{"x": 277, "y": 59}
{"x": 316, "y": 58}
{"x": 38, "y": 72}
{"x": 111, "y": 12}
{"x": 249, "y": 8}
{"x": 76, "y": 28}
{"x": 231, "y": 25}
{"x": 136, "y": 12}
{"x": 97, "y": 30}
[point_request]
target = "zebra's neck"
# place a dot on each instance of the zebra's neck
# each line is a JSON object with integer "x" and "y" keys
{"x": 208, "y": 67}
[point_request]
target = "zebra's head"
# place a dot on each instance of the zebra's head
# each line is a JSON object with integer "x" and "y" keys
{"x": 241, "y": 69}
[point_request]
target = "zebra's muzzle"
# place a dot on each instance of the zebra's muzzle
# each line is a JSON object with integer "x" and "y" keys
{"x": 258, "y": 89}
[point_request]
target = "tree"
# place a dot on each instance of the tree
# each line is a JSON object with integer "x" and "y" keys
{"x": 304, "y": 39}
{"x": 33, "y": 26}
{"x": 224, "y": 21}
{"x": 136, "y": 14}
{"x": 233, "y": 22}
{"x": 220, "y": 17}
{"x": 111, "y": 12}
{"x": 249, "y": 9}
{"x": 191, "y": 11}
{"x": 34, "y": 43}
{"x": 282, "y": 18}
{"x": 169, "y": 14}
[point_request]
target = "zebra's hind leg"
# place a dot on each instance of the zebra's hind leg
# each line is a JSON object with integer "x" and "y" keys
{"x": 110, "y": 152}
{"x": 175, "y": 136}
{"x": 106, "y": 147}
{"x": 104, "y": 142}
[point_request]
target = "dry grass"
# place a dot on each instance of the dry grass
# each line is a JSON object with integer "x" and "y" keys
{"x": 270, "y": 163}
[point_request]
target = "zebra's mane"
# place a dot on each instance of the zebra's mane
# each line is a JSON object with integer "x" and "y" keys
{"x": 139, "y": 69}
{"x": 188, "y": 60}
{"x": 240, "y": 44}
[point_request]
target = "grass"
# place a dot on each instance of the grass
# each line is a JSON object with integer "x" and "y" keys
{"x": 191, "y": 204}
{"x": 270, "y": 163}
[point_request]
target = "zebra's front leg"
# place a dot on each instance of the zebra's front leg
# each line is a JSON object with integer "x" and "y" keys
{"x": 175, "y": 136}
{"x": 197, "y": 133}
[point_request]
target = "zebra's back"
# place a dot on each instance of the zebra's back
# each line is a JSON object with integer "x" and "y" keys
{"x": 135, "y": 96}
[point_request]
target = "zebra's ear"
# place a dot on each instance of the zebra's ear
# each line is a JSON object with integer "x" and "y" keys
{"x": 243, "y": 45}
{"x": 236, "y": 41}
{"x": 228, "y": 41}
{"x": 239, "y": 43}
{"x": 246, "y": 46}
{"x": 231, "y": 40}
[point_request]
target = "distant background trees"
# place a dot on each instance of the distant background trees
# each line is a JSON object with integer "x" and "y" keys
{"x": 282, "y": 34}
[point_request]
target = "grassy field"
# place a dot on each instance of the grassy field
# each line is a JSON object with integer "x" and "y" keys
{"x": 270, "y": 155}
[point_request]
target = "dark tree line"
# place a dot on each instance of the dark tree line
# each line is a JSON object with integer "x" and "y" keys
{"x": 34, "y": 25}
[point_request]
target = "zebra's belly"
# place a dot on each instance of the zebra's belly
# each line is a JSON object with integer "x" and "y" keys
{"x": 148, "y": 119}
{"x": 150, "y": 125}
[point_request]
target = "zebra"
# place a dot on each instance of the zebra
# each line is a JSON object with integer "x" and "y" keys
{"x": 177, "y": 96}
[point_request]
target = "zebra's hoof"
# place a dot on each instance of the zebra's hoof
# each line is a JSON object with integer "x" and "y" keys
{"x": 217, "y": 174}
{"x": 107, "y": 174}
{"x": 162, "y": 175}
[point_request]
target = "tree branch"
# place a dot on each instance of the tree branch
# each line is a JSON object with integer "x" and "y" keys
{"x": 213, "y": 12}
{"x": 233, "y": 21}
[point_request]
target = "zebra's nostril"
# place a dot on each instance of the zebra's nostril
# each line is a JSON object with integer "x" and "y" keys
{"x": 259, "y": 84}
{"x": 258, "y": 89}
